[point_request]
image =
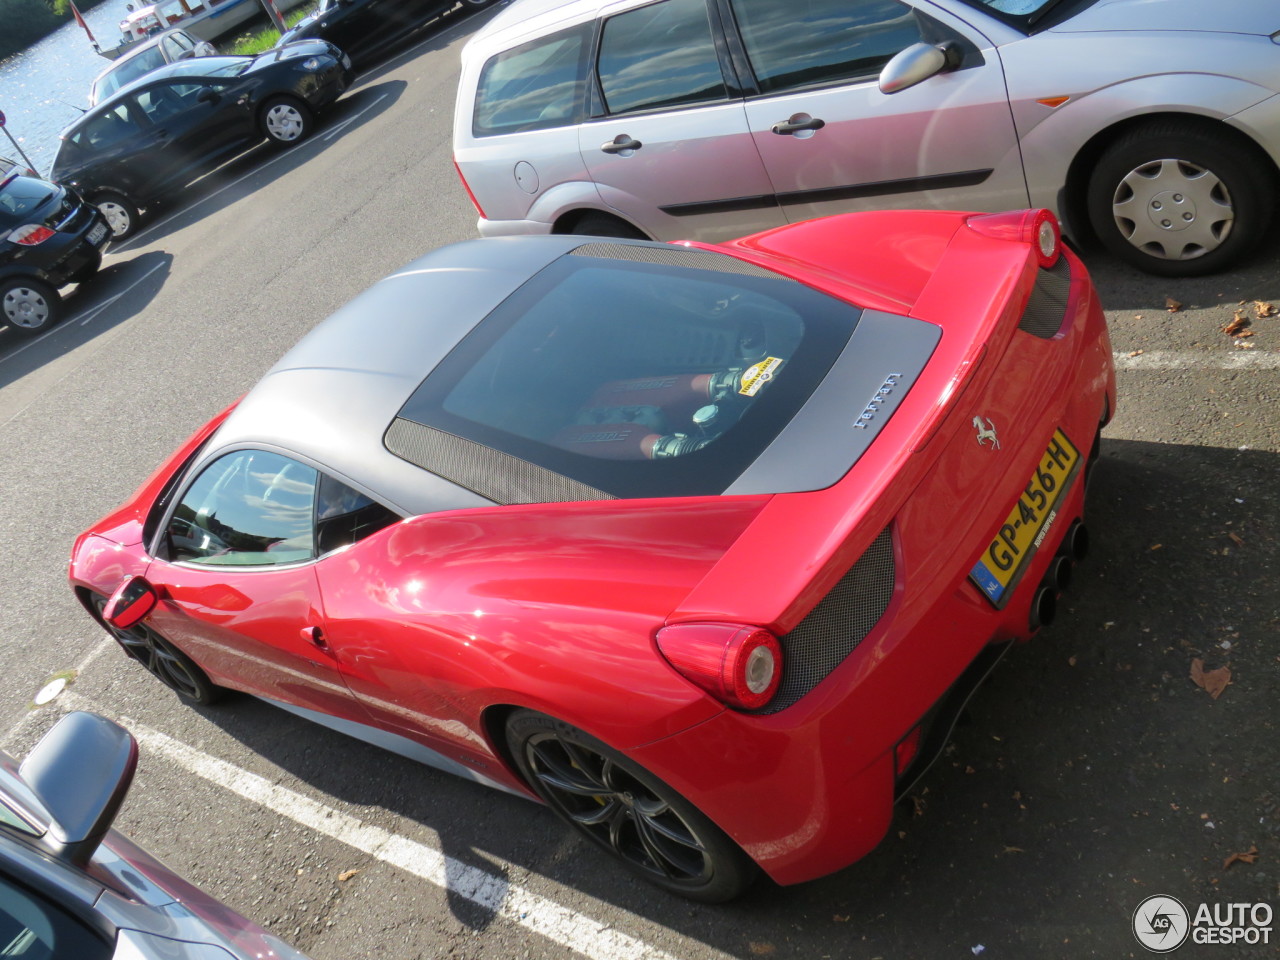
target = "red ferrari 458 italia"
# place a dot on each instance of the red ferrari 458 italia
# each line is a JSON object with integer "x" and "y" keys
{"x": 701, "y": 545}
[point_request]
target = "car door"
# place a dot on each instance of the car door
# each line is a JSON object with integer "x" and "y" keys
{"x": 833, "y": 142}
{"x": 110, "y": 149}
{"x": 194, "y": 123}
{"x": 670, "y": 148}
{"x": 236, "y": 574}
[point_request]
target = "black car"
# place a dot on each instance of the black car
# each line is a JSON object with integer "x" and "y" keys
{"x": 48, "y": 237}
{"x": 364, "y": 28}
{"x": 154, "y": 136}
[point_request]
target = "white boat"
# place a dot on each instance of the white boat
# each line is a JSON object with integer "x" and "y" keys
{"x": 203, "y": 19}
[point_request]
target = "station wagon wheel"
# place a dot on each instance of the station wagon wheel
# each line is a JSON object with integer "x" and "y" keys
{"x": 163, "y": 660}
{"x": 627, "y": 811}
{"x": 122, "y": 216}
{"x": 286, "y": 120}
{"x": 1178, "y": 199}
{"x": 28, "y": 306}
{"x": 603, "y": 225}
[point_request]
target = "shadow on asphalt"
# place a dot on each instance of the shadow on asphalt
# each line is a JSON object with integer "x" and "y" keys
{"x": 265, "y": 163}
{"x": 1088, "y": 773}
{"x": 118, "y": 292}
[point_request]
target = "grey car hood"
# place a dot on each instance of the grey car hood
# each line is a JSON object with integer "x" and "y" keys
{"x": 1227, "y": 16}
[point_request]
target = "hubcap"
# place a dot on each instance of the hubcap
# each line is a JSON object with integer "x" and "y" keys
{"x": 284, "y": 122}
{"x": 617, "y": 810}
{"x": 24, "y": 307}
{"x": 1173, "y": 209}
{"x": 118, "y": 218}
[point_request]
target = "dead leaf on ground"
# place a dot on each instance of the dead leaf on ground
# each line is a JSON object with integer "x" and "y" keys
{"x": 839, "y": 918}
{"x": 1136, "y": 353}
{"x": 1014, "y": 850}
{"x": 1212, "y": 682}
{"x": 1261, "y": 308}
{"x": 346, "y": 875}
{"x": 1172, "y": 305}
{"x": 761, "y": 949}
{"x": 1239, "y": 540}
{"x": 1249, "y": 857}
{"x": 1237, "y": 323}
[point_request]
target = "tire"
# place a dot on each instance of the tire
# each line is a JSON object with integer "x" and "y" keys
{"x": 1178, "y": 199}
{"x": 28, "y": 306}
{"x": 626, "y": 811}
{"x": 286, "y": 120}
{"x": 163, "y": 660}
{"x": 603, "y": 225}
{"x": 122, "y": 215}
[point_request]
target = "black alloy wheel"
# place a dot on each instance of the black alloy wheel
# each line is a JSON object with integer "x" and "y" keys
{"x": 627, "y": 811}
{"x": 164, "y": 661}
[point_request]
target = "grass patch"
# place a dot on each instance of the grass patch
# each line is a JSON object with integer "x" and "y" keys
{"x": 264, "y": 38}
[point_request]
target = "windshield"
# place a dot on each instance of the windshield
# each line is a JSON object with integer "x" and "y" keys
{"x": 210, "y": 67}
{"x": 20, "y": 196}
{"x": 126, "y": 72}
{"x": 1031, "y": 14}
{"x": 640, "y": 379}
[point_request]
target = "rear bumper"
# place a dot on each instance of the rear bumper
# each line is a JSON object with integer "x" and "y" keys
{"x": 810, "y": 789}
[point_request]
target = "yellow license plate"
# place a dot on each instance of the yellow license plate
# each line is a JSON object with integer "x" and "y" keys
{"x": 1002, "y": 564}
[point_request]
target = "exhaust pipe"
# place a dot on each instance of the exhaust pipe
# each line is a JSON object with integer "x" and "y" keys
{"x": 1058, "y": 575}
{"x": 1076, "y": 542}
{"x": 1044, "y": 607}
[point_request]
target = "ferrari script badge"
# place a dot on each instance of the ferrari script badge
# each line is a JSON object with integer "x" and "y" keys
{"x": 986, "y": 431}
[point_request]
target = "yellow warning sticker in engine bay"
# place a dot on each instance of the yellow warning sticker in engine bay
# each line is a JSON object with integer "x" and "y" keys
{"x": 757, "y": 375}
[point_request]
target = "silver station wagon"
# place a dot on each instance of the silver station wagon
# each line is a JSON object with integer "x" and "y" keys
{"x": 1153, "y": 125}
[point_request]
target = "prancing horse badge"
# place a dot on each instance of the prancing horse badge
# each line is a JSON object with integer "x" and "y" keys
{"x": 986, "y": 432}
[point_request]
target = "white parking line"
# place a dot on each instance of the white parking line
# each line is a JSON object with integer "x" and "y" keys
{"x": 537, "y": 914}
{"x": 1175, "y": 360}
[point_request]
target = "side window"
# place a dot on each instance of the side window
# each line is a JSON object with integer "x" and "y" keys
{"x": 164, "y": 100}
{"x": 814, "y": 42}
{"x": 248, "y": 508}
{"x": 34, "y": 928}
{"x": 659, "y": 56}
{"x": 533, "y": 86}
{"x": 345, "y": 516}
{"x": 106, "y": 128}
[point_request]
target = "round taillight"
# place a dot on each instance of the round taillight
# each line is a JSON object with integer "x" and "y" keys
{"x": 1039, "y": 228}
{"x": 739, "y": 665}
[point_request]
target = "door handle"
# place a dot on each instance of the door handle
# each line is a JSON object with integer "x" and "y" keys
{"x": 314, "y": 635}
{"x": 620, "y": 144}
{"x": 801, "y": 121}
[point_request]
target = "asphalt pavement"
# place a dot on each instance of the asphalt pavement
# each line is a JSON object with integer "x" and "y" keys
{"x": 1103, "y": 763}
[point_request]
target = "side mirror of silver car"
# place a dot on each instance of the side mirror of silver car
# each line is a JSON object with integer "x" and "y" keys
{"x": 916, "y": 63}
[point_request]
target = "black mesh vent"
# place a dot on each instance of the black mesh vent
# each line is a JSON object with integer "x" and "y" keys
{"x": 1047, "y": 307}
{"x": 491, "y": 473}
{"x": 674, "y": 257}
{"x": 835, "y": 627}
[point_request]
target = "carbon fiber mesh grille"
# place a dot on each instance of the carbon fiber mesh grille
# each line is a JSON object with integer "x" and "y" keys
{"x": 674, "y": 257}
{"x": 491, "y": 473}
{"x": 835, "y": 627}
{"x": 1047, "y": 306}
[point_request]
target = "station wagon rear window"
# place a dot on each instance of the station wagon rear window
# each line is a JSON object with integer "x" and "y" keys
{"x": 533, "y": 86}
{"x": 637, "y": 377}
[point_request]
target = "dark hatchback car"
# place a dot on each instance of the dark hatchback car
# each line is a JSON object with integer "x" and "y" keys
{"x": 156, "y": 135}
{"x": 366, "y": 28}
{"x": 48, "y": 237}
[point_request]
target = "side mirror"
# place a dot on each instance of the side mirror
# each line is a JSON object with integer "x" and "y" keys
{"x": 915, "y": 64}
{"x": 132, "y": 601}
{"x": 208, "y": 95}
{"x": 80, "y": 772}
